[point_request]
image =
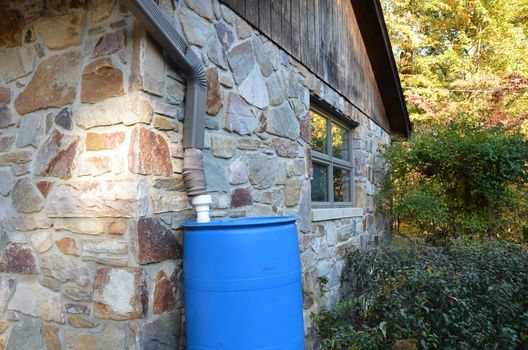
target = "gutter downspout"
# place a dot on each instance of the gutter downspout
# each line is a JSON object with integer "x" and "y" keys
{"x": 159, "y": 26}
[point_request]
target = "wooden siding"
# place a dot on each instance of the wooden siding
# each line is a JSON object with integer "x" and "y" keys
{"x": 325, "y": 37}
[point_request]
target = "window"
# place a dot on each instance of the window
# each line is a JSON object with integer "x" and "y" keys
{"x": 331, "y": 145}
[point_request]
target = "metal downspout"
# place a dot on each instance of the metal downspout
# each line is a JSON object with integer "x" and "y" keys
{"x": 159, "y": 26}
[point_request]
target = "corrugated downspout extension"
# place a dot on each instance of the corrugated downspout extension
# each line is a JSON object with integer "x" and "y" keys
{"x": 159, "y": 26}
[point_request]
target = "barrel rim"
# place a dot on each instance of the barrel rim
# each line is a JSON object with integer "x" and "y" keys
{"x": 237, "y": 222}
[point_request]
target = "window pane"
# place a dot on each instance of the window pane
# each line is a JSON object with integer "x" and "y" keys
{"x": 341, "y": 185}
{"x": 320, "y": 183}
{"x": 340, "y": 142}
{"x": 319, "y": 134}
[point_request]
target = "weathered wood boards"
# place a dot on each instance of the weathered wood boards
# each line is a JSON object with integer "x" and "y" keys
{"x": 325, "y": 37}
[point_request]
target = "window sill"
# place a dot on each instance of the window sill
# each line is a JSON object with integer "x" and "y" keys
{"x": 325, "y": 214}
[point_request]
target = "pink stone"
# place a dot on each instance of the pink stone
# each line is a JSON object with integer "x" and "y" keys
{"x": 149, "y": 153}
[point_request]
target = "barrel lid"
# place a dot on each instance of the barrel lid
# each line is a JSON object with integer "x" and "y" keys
{"x": 230, "y": 222}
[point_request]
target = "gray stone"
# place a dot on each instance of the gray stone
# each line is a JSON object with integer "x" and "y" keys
{"x": 25, "y": 197}
{"x": 6, "y": 181}
{"x": 263, "y": 58}
{"x": 31, "y": 131}
{"x": 305, "y": 208}
{"x": 224, "y": 34}
{"x": 215, "y": 174}
{"x": 162, "y": 333}
{"x": 175, "y": 91}
{"x": 148, "y": 69}
{"x": 285, "y": 148}
{"x": 196, "y": 29}
{"x": 244, "y": 30}
{"x": 275, "y": 91}
{"x": 262, "y": 171}
{"x": 273, "y": 197}
{"x": 6, "y": 142}
{"x": 254, "y": 90}
{"x": 239, "y": 117}
{"x": 238, "y": 173}
{"x": 223, "y": 147}
{"x": 228, "y": 15}
{"x": 241, "y": 61}
{"x": 282, "y": 122}
{"x": 216, "y": 53}
{"x": 64, "y": 118}
{"x": 26, "y": 335}
{"x": 202, "y": 7}
{"x": 292, "y": 189}
{"x": 7, "y": 288}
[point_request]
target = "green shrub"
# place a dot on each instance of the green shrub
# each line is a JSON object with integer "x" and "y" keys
{"x": 459, "y": 179}
{"x": 464, "y": 295}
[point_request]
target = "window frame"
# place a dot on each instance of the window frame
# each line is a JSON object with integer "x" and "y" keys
{"x": 329, "y": 160}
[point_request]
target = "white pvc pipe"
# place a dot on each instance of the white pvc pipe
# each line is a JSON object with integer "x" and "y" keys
{"x": 201, "y": 204}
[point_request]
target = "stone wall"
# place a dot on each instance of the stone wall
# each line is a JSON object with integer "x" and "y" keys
{"x": 91, "y": 193}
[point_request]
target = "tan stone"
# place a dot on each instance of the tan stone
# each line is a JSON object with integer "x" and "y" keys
{"x": 80, "y": 225}
{"x": 169, "y": 202}
{"x": 214, "y": 97}
{"x": 32, "y": 299}
{"x": 108, "y": 198}
{"x": 100, "y": 80}
{"x": 111, "y": 338}
{"x": 54, "y": 84}
{"x": 163, "y": 123}
{"x": 81, "y": 322}
{"x": 16, "y": 63}
{"x": 108, "y": 252}
{"x": 65, "y": 268}
{"x": 117, "y": 227}
{"x": 41, "y": 241}
{"x": 67, "y": 246}
{"x": 11, "y": 25}
{"x": 94, "y": 166}
{"x": 60, "y": 32}
{"x": 103, "y": 141}
{"x": 148, "y": 70}
{"x": 3, "y": 326}
{"x": 128, "y": 109}
{"x": 16, "y": 157}
{"x": 51, "y": 337}
{"x": 117, "y": 293}
{"x": 149, "y": 153}
{"x": 101, "y": 9}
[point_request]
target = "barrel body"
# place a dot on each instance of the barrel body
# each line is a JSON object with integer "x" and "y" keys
{"x": 242, "y": 285}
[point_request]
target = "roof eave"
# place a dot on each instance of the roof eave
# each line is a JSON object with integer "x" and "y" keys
{"x": 369, "y": 16}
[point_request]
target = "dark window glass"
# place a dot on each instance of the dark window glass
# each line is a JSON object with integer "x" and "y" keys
{"x": 341, "y": 185}
{"x": 320, "y": 183}
{"x": 340, "y": 142}
{"x": 319, "y": 140}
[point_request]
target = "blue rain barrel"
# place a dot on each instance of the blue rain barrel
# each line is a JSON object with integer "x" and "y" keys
{"x": 242, "y": 284}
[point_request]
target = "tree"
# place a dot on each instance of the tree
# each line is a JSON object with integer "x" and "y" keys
{"x": 462, "y": 59}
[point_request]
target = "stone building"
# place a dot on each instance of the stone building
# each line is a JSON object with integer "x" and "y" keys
{"x": 301, "y": 95}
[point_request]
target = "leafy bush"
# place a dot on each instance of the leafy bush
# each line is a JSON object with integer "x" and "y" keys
{"x": 459, "y": 179}
{"x": 464, "y": 295}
